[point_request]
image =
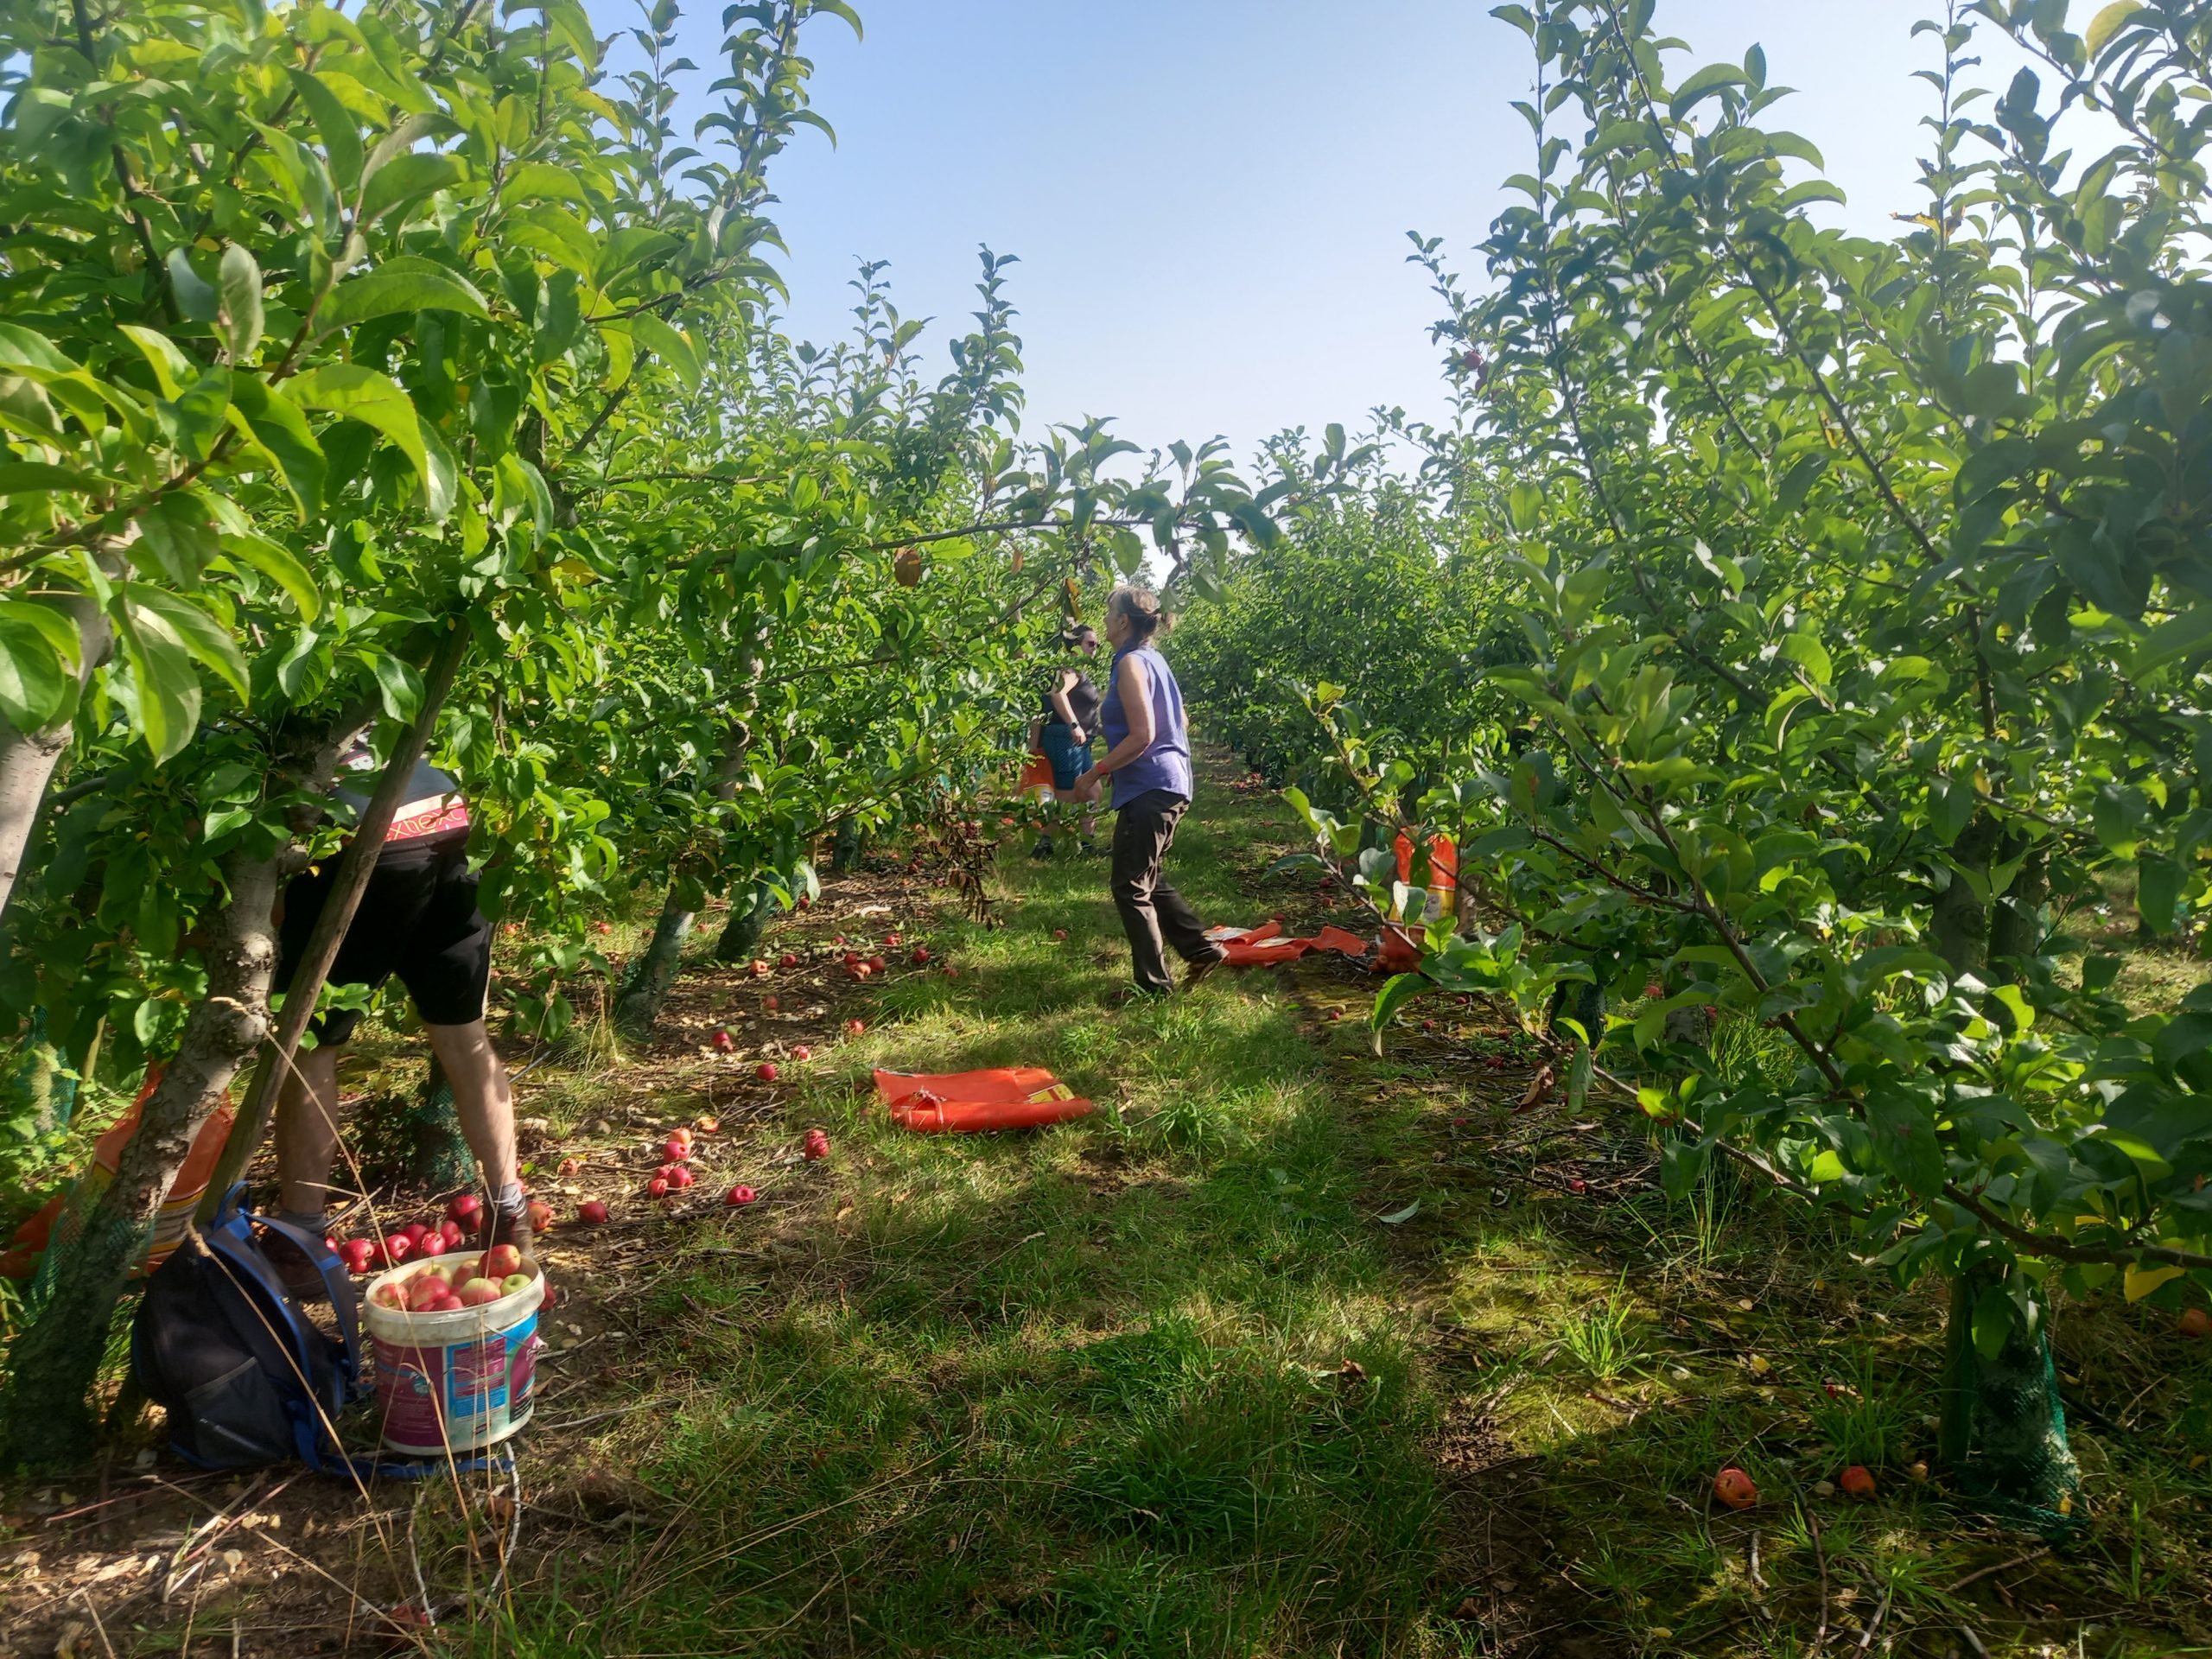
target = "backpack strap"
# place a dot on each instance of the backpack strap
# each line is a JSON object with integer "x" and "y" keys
{"x": 248, "y": 1289}
{"x": 340, "y": 1285}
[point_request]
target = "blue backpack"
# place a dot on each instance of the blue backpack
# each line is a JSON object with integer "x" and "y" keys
{"x": 247, "y": 1378}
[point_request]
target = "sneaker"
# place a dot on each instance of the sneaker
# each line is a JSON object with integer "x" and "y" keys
{"x": 1195, "y": 975}
{"x": 1089, "y": 848}
{"x": 1043, "y": 849}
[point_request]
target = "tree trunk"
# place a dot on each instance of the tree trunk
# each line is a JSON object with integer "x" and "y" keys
{"x": 655, "y": 975}
{"x": 355, "y": 867}
{"x": 748, "y": 920}
{"x": 54, "y": 1364}
{"x": 27, "y": 762}
{"x": 1960, "y": 925}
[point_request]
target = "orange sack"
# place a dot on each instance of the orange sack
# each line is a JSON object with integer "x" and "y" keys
{"x": 975, "y": 1103}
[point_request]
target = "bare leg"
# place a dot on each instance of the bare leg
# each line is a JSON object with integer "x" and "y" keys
{"x": 307, "y": 1131}
{"x": 482, "y": 1097}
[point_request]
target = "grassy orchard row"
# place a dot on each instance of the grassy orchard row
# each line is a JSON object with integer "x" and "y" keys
{"x": 1859, "y": 619}
{"x": 410, "y": 368}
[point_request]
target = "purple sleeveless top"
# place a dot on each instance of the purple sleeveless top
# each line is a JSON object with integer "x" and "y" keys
{"x": 1166, "y": 764}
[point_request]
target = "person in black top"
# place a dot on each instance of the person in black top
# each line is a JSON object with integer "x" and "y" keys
{"x": 1063, "y": 733}
{"x": 419, "y": 920}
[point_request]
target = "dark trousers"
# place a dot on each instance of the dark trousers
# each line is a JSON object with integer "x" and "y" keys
{"x": 1143, "y": 832}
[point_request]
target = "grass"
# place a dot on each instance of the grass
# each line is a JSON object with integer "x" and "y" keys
{"x": 1164, "y": 1383}
{"x": 1288, "y": 1351}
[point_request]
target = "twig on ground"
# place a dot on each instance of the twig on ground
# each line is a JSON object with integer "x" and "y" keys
{"x": 1881, "y": 1610}
{"x": 2021, "y": 1559}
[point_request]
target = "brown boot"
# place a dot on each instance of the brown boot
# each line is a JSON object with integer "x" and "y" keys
{"x": 1195, "y": 974}
{"x": 500, "y": 1228}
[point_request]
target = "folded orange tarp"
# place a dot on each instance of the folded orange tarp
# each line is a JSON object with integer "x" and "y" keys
{"x": 972, "y": 1103}
{"x": 1264, "y": 947}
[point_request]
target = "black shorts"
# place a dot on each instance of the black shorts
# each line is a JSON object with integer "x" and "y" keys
{"x": 418, "y": 919}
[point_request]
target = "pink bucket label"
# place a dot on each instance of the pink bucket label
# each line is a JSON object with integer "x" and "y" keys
{"x": 422, "y": 1388}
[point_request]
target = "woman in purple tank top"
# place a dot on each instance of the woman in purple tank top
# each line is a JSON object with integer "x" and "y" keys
{"x": 1148, "y": 757}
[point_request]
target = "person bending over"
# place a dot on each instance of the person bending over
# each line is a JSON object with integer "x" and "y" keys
{"x": 1064, "y": 730}
{"x": 419, "y": 920}
{"x": 1148, "y": 758}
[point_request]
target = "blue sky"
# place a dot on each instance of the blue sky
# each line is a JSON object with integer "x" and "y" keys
{"x": 1209, "y": 198}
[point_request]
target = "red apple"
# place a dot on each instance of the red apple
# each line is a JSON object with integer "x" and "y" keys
{"x": 854, "y": 1027}
{"x": 766, "y": 1071}
{"x": 772, "y": 1003}
{"x": 388, "y": 1296}
{"x": 541, "y": 1216}
{"x": 657, "y": 1187}
{"x": 1857, "y": 1482}
{"x": 2196, "y": 1322}
{"x": 570, "y": 1167}
{"x": 802, "y": 1052}
{"x": 862, "y": 970}
{"x": 788, "y": 960}
{"x": 1578, "y": 1186}
{"x": 591, "y": 1212}
{"x": 921, "y": 956}
{"x": 548, "y": 1299}
{"x": 805, "y": 903}
{"x": 602, "y": 927}
{"x": 708, "y": 1125}
{"x": 739, "y": 1195}
{"x": 891, "y": 941}
{"x": 815, "y": 1148}
{"x": 1734, "y": 1488}
{"x": 759, "y": 970}
{"x": 432, "y": 1244}
{"x": 501, "y": 1260}
{"x": 1059, "y": 932}
{"x": 395, "y": 1250}
{"x": 478, "y": 1292}
{"x": 674, "y": 1150}
{"x": 722, "y": 1041}
{"x": 425, "y": 1293}
{"x": 415, "y": 1229}
{"x": 679, "y": 1177}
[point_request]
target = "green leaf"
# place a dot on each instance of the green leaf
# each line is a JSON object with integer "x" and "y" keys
{"x": 195, "y": 295}
{"x": 2159, "y": 883}
{"x": 536, "y": 181}
{"x": 276, "y": 424}
{"x": 1399, "y": 1218}
{"x": 397, "y": 683}
{"x": 242, "y": 309}
{"x": 278, "y": 564}
{"x": 408, "y": 282}
{"x": 1713, "y": 78}
{"x": 2177, "y": 637}
{"x": 673, "y": 348}
{"x": 1524, "y": 503}
{"x": 405, "y": 179}
{"x": 2109, "y": 22}
{"x": 161, "y": 676}
{"x": 1811, "y": 654}
{"x": 335, "y": 125}
{"x": 363, "y": 395}
{"x": 177, "y": 537}
{"x": 206, "y": 640}
{"x": 1903, "y": 1129}
{"x": 44, "y": 478}
{"x": 1951, "y": 804}
{"x": 36, "y": 684}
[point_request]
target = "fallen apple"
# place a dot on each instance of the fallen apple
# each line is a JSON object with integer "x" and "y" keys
{"x": 766, "y": 1071}
{"x": 591, "y": 1212}
{"x": 602, "y": 928}
{"x": 657, "y": 1187}
{"x": 891, "y": 941}
{"x": 708, "y": 1125}
{"x": 739, "y": 1195}
{"x": 1734, "y": 1488}
{"x": 415, "y": 1229}
{"x": 788, "y": 960}
{"x": 548, "y": 1299}
{"x": 2195, "y": 1322}
{"x": 680, "y": 1177}
{"x": 1059, "y": 932}
{"x": 921, "y": 956}
{"x": 1857, "y": 1482}
{"x": 674, "y": 1150}
{"x": 541, "y": 1216}
{"x": 772, "y": 1003}
{"x": 571, "y": 1167}
{"x": 395, "y": 1250}
{"x": 759, "y": 970}
{"x": 432, "y": 1244}
{"x": 722, "y": 1041}
{"x": 877, "y": 965}
{"x": 815, "y": 1149}
{"x": 854, "y": 1027}
{"x": 802, "y": 1052}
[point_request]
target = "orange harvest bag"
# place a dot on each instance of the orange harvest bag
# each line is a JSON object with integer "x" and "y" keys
{"x": 974, "y": 1103}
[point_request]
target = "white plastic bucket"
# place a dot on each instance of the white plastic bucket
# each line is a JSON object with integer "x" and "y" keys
{"x": 457, "y": 1381}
